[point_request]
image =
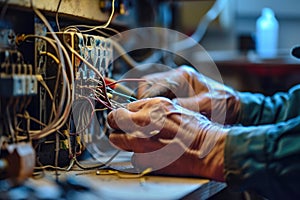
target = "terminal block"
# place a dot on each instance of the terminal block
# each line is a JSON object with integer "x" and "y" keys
{"x": 17, "y": 85}
{"x": 96, "y": 50}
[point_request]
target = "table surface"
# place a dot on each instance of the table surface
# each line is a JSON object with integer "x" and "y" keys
{"x": 115, "y": 187}
{"x": 118, "y": 180}
{"x": 111, "y": 184}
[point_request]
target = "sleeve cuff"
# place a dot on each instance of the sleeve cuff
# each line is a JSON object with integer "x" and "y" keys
{"x": 244, "y": 155}
{"x": 250, "y": 107}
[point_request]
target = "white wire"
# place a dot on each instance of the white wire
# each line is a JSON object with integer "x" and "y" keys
{"x": 67, "y": 95}
{"x": 197, "y": 36}
{"x": 180, "y": 45}
{"x": 128, "y": 59}
{"x": 91, "y": 67}
{"x": 64, "y": 117}
{"x": 92, "y": 28}
{"x": 42, "y": 82}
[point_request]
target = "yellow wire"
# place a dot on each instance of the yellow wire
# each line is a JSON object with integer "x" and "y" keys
{"x": 108, "y": 21}
{"x": 124, "y": 174}
{"x": 50, "y": 55}
{"x": 111, "y": 15}
{"x": 98, "y": 27}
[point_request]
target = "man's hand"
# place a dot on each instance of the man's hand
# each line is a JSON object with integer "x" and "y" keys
{"x": 173, "y": 84}
{"x": 194, "y": 91}
{"x": 169, "y": 139}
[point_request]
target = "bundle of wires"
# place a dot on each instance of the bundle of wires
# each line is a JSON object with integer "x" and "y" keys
{"x": 100, "y": 91}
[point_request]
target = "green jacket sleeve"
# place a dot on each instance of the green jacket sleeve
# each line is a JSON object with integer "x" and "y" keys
{"x": 265, "y": 159}
{"x": 258, "y": 109}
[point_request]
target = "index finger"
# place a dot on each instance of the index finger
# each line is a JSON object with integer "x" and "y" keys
{"x": 118, "y": 119}
{"x": 127, "y": 121}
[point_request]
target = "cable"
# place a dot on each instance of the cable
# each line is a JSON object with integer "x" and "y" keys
{"x": 57, "y": 121}
{"x": 130, "y": 98}
{"x": 67, "y": 95}
{"x": 92, "y": 28}
{"x": 4, "y": 9}
{"x": 68, "y": 86}
{"x": 74, "y": 161}
{"x": 56, "y": 153}
{"x": 177, "y": 46}
{"x": 113, "y": 82}
{"x": 28, "y": 118}
{"x": 64, "y": 107}
{"x": 50, "y": 55}
{"x": 97, "y": 166}
{"x": 51, "y": 167}
{"x": 90, "y": 119}
{"x": 43, "y": 83}
{"x": 56, "y": 15}
{"x": 56, "y": 85}
{"x": 10, "y": 126}
{"x": 123, "y": 54}
{"x": 196, "y": 37}
{"x": 39, "y": 77}
{"x": 95, "y": 70}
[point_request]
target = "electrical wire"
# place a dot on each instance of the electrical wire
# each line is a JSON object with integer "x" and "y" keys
{"x": 90, "y": 119}
{"x": 108, "y": 105}
{"x": 74, "y": 162}
{"x": 98, "y": 166}
{"x": 39, "y": 77}
{"x": 50, "y": 55}
{"x": 57, "y": 122}
{"x": 56, "y": 154}
{"x": 51, "y": 167}
{"x": 60, "y": 51}
{"x": 124, "y": 54}
{"x": 56, "y": 15}
{"x": 92, "y": 28}
{"x": 4, "y": 9}
{"x": 64, "y": 107}
{"x": 43, "y": 83}
{"x": 197, "y": 36}
{"x": 113, "y": 82}
{"x": 67, "y": 96}
{"x": 129, "y": 98}
{"x": 30, "y": 118}
{"x": 182, "y": 45}
{"x": 10, "y": 126}
{"x": 56, "y": 85}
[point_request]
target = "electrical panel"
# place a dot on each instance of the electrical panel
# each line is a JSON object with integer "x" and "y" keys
{"x": 52, "y": 89}
{"x": 96, "y": 50}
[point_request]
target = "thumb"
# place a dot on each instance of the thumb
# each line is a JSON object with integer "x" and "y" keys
{"x": 199, "y": 103}
{"x": 187, "y": 103}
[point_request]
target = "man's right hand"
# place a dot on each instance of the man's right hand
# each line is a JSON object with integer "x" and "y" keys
{"x": 169, "y": 139}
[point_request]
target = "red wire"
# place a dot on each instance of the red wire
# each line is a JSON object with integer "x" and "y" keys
{"x": 111, "y": 82}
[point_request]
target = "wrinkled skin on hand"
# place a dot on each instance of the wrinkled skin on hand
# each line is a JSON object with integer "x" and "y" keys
{"x": 169, "y": 139}
{"x": 195, "y": 92}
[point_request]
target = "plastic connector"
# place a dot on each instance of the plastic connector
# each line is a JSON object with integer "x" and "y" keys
{"x": 31, "y": 85}
{"x": 17, "y": 85}
{"x": 12, "y": 85}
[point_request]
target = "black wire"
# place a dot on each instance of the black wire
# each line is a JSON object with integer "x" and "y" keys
{"x": 56, "y": 155}
{"x": 4, "y": 8}
{"x": 96, "y": 166}
{"x": 56, "y": 15}
{"x": 87, "y": 167}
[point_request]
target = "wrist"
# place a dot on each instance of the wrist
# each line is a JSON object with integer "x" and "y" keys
{"x": 212, "y": 165}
